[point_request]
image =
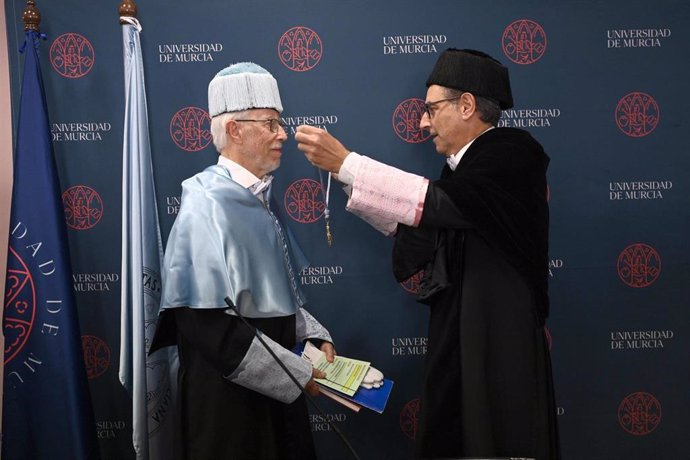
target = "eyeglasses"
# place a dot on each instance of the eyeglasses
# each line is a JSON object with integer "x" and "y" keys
{"x": 274, "y": 124}
{"x": 430, "y": 107}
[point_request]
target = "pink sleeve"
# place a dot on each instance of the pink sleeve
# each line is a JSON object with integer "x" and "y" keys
{"x": 385, "y": 196}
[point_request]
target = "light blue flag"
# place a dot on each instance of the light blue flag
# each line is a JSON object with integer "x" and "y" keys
{"x": 151, "y": 380}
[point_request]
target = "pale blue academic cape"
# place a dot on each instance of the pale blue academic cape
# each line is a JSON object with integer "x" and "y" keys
{"x": 227, "y": 242}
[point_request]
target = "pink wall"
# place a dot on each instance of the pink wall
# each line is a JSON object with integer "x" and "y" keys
{"x": 5, "y": 147}
{"x": 5, "y": 162}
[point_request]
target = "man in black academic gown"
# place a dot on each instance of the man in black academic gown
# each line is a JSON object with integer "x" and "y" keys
{"x": 234, "y": 400}
{"x": 480, "y": 236}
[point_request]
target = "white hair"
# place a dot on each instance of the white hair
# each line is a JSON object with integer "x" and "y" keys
{"x": 219, "y": 132}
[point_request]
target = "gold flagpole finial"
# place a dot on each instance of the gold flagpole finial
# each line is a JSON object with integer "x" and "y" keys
{"x": 127, "y": 8}
{"x": 31, "y": 16}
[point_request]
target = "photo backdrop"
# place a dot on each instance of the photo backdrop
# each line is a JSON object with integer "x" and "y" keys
{"x": 603, "y": 87}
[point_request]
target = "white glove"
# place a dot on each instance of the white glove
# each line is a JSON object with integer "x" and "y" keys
{"x": 372, "y": 379}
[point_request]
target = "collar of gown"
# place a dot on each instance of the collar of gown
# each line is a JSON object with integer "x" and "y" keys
{"x": 245, "y": 178}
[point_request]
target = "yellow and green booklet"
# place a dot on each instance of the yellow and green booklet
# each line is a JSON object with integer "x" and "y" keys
{"x": 343, "y": 379}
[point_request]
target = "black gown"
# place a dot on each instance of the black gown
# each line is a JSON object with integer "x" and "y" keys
{"x": 218, "y": 419}
{"x": 483, "y": 245}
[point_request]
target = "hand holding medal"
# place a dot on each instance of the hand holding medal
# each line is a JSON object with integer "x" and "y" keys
{"x": 325, "y": 152}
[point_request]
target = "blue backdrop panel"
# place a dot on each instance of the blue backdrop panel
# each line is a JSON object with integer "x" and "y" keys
{"x": 602, "y": 85}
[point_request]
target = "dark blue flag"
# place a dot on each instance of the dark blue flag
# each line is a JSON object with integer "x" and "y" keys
{"x": 47, "y": 410}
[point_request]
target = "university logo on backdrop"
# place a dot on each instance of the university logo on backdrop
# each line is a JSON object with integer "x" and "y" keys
{"x": 409, "y": 418}
{"x": 304, "y": 201}
{"x": 639, "y": 265}
{"x": 637, "y": 114}
{"x": 406, "y": 118}
{"x": 300, "y": 49}
{"x": 190, "y": 129}
{"x": 524, "y": 41}
{"x": 72, "y": 55}
{"x": 83, "y": 207}
{"x": 96, "y": 355}
{"x": 412, "y": 283}
{"x": 639, "y": 413}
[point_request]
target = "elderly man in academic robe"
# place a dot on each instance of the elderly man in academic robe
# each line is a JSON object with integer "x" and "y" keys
{"x": 229, "y": 239}
{"x": 479, "y": 235}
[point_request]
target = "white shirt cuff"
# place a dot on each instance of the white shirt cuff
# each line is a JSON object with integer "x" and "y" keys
{"x": 348, "y": 169}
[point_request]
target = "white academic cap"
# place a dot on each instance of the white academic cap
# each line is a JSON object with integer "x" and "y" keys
{"x": 243, "y": 86}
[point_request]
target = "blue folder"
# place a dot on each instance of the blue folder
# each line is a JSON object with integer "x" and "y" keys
{"x": 374, "y": 399}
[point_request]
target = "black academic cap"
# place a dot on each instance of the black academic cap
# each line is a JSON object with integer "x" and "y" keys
{"x": 475, "y": 72}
